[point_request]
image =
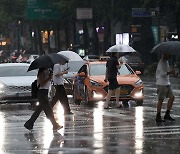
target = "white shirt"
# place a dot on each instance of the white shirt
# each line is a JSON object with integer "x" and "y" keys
{"x": 161, "y": 73}
{"x": 58, "y": 80}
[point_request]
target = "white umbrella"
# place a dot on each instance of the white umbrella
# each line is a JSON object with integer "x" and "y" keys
{"x": 121, "y": 48}
{"x": 75, "y": 61}
{"x": 71, "y": 55}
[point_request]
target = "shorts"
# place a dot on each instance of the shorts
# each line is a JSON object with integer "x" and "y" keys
{"x": 113, "y": 83}
{"x": 164, "y": 92}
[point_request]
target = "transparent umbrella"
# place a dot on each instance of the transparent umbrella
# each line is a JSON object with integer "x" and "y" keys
{"x": 121, "y": 48}
{"x": 75, "y": 61}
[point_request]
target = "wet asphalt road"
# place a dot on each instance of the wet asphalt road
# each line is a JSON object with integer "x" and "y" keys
{"x": 93, "y": 130}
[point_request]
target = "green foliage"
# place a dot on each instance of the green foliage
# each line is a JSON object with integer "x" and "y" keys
{"x": 10, "y": 11}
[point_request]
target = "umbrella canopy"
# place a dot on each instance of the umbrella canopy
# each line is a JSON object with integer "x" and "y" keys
{"x": 48, "y": 60}
{"x": 170, "y": 47}
{"x": 75, "y": 61}
{"x": 72, "y": 56}
{"x": 121, "y": 48}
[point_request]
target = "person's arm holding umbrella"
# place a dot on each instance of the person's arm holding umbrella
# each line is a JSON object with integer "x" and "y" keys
{"x": 161, "y": 69}
{"x": 59, "y": 73}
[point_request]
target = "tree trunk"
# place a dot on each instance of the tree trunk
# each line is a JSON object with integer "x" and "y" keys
{"x": 49, "y": 48}
{"x": 35, "y": 41}
{"x": 85, "y": 36}
{"x": 58, "y": 36}
{"x": 67, "y": 36}
{"x": 39, "y": 40}
{"x": 95, "y": 39}
{"x": 107, "y": 34}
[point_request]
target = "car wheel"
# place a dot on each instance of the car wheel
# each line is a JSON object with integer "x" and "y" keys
{"x": 142, "y": 72}
{"x": 139, "y": 102}
{"x": 125, "y": 103}
{"x": 76, "y": 101}
{"x": 86, "y": 96}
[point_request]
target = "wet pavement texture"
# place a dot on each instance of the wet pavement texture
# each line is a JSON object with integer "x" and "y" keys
{"x": 93, "y": 130}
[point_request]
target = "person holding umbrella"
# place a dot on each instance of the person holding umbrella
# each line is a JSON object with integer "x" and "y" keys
{"x": 112, "y": 67}
{"x": 164, "y": 88}
{"x": 44, "y": 77}
{"x": 60, "y": 94}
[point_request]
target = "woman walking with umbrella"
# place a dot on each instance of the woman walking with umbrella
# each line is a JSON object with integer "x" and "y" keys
{"x": 44, "y": 77}
{"x": 44, "y": 80}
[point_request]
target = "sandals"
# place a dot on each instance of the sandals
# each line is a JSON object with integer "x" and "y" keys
{"x": 56, "y": 128}
{"x": 108, "y": 107}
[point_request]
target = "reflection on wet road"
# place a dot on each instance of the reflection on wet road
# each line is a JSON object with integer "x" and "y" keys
{"x": 92, "y": 129}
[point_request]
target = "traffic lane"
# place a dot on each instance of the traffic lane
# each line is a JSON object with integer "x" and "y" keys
{"x": 92, "y": 129}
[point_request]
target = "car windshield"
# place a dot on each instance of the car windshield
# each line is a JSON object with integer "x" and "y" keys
{"x": 133, "y": 59}
{"x": 7, "y": 71}
{"x": 100, "y": 69}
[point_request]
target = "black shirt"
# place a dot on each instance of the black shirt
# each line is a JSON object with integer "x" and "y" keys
{"x": 111, "y": 67}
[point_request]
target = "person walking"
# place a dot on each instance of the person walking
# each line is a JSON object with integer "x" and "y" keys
{"x": 60, "y": 94}
{"x": 112, "y": 67}
{"x": 164, "y": 89}
{"x": 44, "y": 80}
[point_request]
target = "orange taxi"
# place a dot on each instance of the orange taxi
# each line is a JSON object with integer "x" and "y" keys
{"x": 89, "y": 84}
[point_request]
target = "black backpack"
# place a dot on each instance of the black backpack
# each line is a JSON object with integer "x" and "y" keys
{"x": 34, "y": 89}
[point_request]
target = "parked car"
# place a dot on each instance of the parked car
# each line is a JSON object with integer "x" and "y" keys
{"x": 15, "y": 83}
{"x": 134, "y": 61}
{"x": 89, "y": 84}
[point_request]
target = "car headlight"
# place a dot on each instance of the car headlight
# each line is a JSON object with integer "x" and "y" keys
{"x": 97, "y": 95}
{"x": 94, "y": 83}
{"x": 139, "y": 82}
{"x": 1, "y": 87}
{"x": 138, "y": 94}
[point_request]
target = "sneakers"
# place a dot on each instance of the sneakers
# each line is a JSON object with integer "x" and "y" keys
{"x": 108, "y": 107}
{"x": 168, "y": 117}
{"x": 28, "y": 125}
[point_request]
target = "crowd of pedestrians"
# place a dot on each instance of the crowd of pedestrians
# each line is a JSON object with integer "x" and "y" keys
{"x": 45, "y": 78}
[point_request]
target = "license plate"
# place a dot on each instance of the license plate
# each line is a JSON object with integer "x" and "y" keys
{"x": 123, "y": 92}
{"x": 23, "y": 94}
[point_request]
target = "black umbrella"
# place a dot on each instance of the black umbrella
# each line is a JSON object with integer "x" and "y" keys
{"x": 48, "y": 60}
{"x": 169, "y": 47}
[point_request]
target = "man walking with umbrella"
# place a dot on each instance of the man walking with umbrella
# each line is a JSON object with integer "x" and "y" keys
{"x": 112, "y": 67}
{"x": 164, "y": 88}
{"x": 60, "y": 94}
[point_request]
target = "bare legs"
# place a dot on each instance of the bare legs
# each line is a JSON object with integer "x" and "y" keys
{"x": 108, "y": 97}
